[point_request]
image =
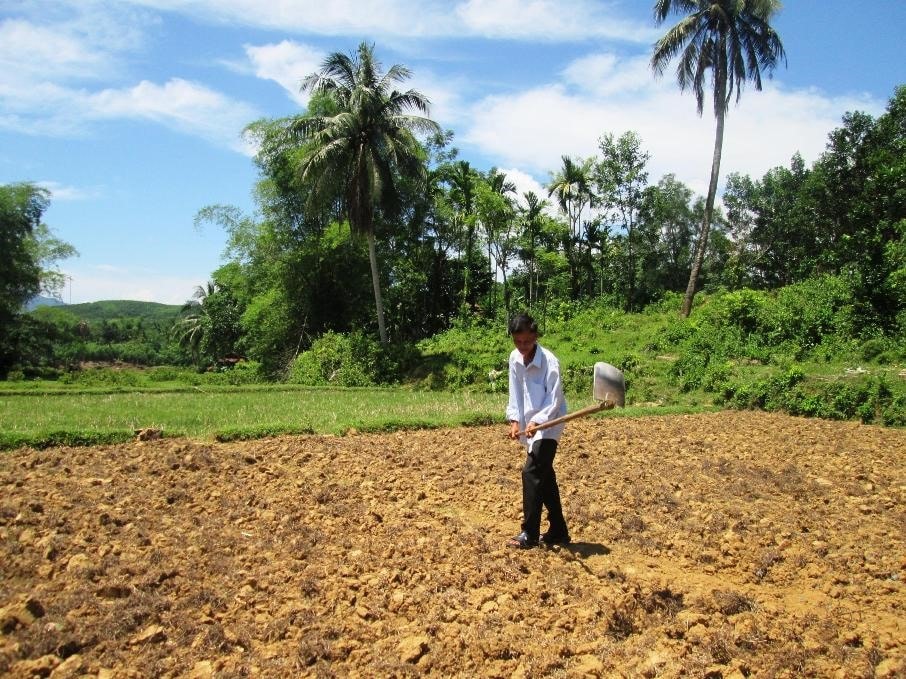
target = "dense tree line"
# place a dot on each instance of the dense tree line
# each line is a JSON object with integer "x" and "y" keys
{"x": 457, "y": 244}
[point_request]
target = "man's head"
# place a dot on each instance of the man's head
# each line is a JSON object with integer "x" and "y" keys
{"x": 524, "y": 332}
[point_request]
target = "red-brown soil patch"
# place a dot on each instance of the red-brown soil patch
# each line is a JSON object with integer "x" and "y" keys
{"x": 718, "y": 545}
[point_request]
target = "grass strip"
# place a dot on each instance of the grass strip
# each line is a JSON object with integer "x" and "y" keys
{"x": 52, "y": 439}
{"x": 238, "y": 414}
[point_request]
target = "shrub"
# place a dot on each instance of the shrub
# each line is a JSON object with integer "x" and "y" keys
{"x": 347, "y": 360}
{"x": 244, "y": 372}
{"x": 459, "y": 358}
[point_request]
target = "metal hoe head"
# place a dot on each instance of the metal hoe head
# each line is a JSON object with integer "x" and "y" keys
{"x": 609, "y": 385}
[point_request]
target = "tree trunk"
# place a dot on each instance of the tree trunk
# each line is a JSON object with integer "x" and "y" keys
{"x": 702, "y": 244}
{"x": 376, "y": 283}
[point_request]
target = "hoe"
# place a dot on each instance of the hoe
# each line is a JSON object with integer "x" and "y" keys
{"x": 609, "y": 390}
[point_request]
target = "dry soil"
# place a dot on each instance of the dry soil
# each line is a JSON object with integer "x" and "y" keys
{"x": 717, "y": 545}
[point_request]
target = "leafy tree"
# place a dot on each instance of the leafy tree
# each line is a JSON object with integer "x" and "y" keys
{"x": 27, "y": 251}
{"x": 462, "y": 179}
{"x": 620, "y": 179}
{"x": 734, "y": 42}
{"x": 772, "y": 226}
{"x": 857, "y": 197}
{"x": 497, "y": 214}
{"x": 189, "y": 329}
{"x": 667, "y": 209}
{"x": 366, "y": 145}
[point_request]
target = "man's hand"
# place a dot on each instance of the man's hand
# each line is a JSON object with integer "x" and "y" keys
{"x": 514, "y": 429}
{"x": 530, "y": 430}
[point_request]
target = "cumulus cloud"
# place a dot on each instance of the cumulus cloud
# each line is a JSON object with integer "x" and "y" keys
{"x": 179, "y": 104}
{"x": 29, "y": 51}
{"x": 546, "y": 20}
{"x": 184, "y": 106}
{"x": 532, "y": 129}
{"x": 46, "y": 68}
{"x": 286, "y": 63}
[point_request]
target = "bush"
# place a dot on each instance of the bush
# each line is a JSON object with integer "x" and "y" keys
{"x": 459, "y": 358}
{"x": 347, "y": 360}
{"x": 244, "y": 372}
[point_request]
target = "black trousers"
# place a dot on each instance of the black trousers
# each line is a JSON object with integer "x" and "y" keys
{"x": 539, "y": 487}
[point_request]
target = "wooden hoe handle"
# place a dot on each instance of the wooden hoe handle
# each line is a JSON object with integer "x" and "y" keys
{"x": 603, "y": 405}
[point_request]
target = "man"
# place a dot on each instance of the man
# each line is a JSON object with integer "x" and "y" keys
{"x": 536, "y": 396}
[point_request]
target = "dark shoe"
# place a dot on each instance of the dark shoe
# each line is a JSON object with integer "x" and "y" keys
{"x": 548, "y": 539}
{"x": 523, "y": 541}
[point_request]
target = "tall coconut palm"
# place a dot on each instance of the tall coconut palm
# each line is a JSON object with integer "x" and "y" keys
{"x": 366, "y": 143}
{"x": 571, "y": 187}
{"x": 732, "y": 41}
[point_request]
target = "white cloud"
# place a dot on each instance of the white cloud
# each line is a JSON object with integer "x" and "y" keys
{"x": 547, "y": 20}
{"x": 181, "y": 105}
{"x": 606, "y": 74}
{"x": 531, "y": 130}
{"x": 60, "y": 192}
{"x": 286, "y": 63}
{"x": 82, "y": 42}
{"x": 333, "y": 17}
{"x": 524, "y": 182}
{"x": 29, "y": 51}
{"x": 190, "y": 108}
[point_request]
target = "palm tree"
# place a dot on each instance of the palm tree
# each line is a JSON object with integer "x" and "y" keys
{"x": 732, "y": 40}
{"x": 366, "y": 142}
{"x": 571, "y": 186}
{"x": 462, "y": 179}
{"x": 189, "y": 330}
{"x": 531, "y": 223}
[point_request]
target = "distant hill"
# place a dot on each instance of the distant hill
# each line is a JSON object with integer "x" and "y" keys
{"x": 109, "y": 310}
{"x": 40, "y": 300}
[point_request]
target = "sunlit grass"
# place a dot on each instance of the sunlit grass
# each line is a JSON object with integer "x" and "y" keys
{"x": 209, "y": 414}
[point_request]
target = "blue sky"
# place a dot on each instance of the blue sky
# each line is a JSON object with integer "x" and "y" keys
{"x": 131, "y": 112}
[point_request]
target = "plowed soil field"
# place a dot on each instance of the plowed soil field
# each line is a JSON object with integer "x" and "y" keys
{"x": 715, "y": 545}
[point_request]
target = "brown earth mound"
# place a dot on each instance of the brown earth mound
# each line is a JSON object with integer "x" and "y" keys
{"x": 719, "y": 545}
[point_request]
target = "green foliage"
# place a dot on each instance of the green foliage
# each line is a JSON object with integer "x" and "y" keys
{"x": 259, "y": 432}
{"x": 51, "y": 439}
{"x": 118, "y": 310}
{"x": 465, "y": 356}
{"x": 348, "y": 360}
{"x": 757, "y": 326}
{"x": 871, "y": 400}
{"x": 28, "y": 252}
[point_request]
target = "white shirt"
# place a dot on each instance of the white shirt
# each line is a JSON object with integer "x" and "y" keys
{"x": 536, "y": 393}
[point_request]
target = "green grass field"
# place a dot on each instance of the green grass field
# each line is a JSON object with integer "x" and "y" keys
{"x": 86, "y": 417}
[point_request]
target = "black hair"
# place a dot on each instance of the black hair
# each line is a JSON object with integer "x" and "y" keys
{"x": 522, "y": 323}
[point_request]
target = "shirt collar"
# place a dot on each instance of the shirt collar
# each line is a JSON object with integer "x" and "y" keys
{"x": 536, "y": 359}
